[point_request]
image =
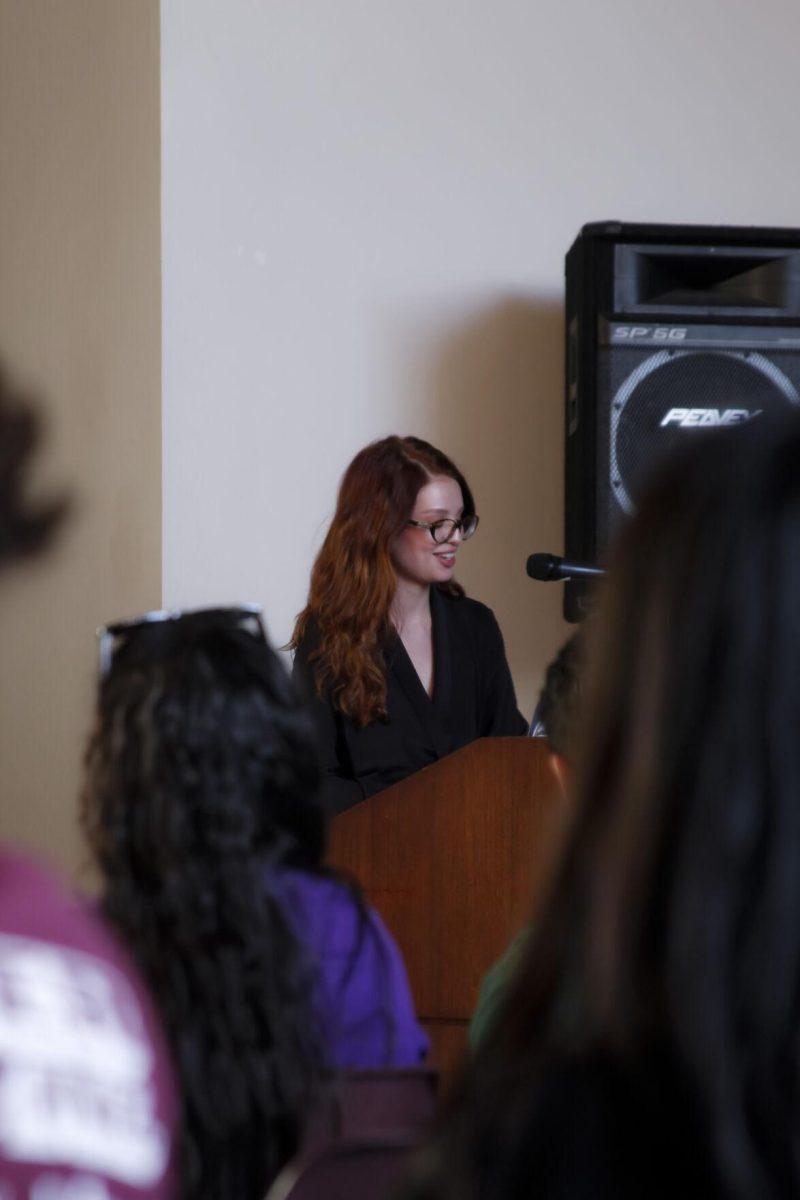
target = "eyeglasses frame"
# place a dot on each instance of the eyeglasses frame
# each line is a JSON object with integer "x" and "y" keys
{"x": 457, "y": 524}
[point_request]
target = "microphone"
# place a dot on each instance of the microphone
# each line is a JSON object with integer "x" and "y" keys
{"x": 549, "y": 567}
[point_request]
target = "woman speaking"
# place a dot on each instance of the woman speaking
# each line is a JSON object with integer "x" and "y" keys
{"x": 402, "y": 667}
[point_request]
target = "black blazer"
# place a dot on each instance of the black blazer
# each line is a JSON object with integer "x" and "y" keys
{"x": 473, "y": 696}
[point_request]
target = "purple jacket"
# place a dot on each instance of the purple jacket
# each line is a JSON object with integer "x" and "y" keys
{"x": 364, "y": 1000}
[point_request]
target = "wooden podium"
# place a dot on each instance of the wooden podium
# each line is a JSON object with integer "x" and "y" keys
{"x": 451, "y": 858}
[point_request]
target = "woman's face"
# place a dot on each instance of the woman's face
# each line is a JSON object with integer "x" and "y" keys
{"x": 416, "y": 556}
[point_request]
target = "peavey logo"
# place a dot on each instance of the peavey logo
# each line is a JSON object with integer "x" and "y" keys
{"x": 689, "y": 418}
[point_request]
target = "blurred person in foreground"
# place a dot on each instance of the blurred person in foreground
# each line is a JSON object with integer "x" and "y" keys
{"x": 202, "y": 808}
{"x": 87, "y": 1102}
{"x": 555, "y": 719}
{"x": 651, "y": 1045}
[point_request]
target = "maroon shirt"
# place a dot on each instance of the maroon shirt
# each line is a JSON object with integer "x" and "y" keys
{"x": 87, "y": 1099}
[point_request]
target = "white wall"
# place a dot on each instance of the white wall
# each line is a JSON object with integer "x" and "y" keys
{"x": 366, "y": 206}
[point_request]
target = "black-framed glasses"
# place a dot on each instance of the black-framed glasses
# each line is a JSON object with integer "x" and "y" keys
{"x": 111, "y": 637}
{"x": 442, "y": 531}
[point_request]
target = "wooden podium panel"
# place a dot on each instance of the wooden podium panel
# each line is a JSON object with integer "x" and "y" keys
{"x": 451, "y": 857}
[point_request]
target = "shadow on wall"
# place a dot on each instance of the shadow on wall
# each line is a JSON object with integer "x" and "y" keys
{"x": 494, "y": 390}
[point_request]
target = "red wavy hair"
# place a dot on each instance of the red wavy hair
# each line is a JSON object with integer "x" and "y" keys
{"x": 353, "y": 580}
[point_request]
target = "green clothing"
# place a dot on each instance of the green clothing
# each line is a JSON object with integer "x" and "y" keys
{"x": 494, "y": 988}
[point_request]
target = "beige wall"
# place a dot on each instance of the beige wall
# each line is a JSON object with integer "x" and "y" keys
{"x": 366, "y": 206}
{"x": 80, "y": 324}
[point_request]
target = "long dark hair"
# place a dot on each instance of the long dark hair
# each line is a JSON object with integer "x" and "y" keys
{"x": 353, "y": 581}
{"x": 200, "y": 774}
{"x": 651, "y": 1043}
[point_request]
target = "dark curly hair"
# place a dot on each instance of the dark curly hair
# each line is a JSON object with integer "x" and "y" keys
{"x": 25, "y": 528}
{"x": 200, "y": 777}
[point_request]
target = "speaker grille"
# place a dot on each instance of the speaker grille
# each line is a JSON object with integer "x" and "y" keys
{"x": 662, "y": 399}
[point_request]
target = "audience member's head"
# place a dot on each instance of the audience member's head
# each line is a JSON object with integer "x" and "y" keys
{"x": 558, "y": 709}
{"x": 200, "y": 771}
{"x": 650, "y": 1046}
{"x": 25, "y": 526}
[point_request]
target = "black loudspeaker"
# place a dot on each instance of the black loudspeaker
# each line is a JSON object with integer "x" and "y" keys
{"x": 669, "y": 329}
